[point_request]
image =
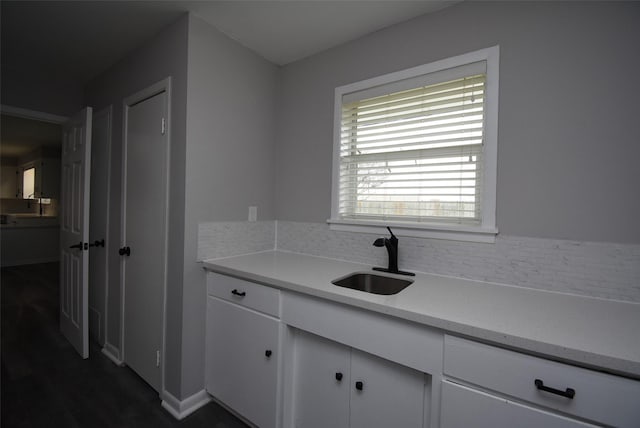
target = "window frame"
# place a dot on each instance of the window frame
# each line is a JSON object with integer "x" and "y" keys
{"x": 28, "y": 167}
{"x": 487, "y": 229}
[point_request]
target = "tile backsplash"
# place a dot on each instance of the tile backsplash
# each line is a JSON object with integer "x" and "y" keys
{"x": 596, "y": 269}
{"x": 232, "y": 238}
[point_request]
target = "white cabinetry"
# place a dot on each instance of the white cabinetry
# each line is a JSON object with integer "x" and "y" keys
{"x": 337, "y": 386}
{"x": 321, "y": 382}
{"x": 242, "y": 349}
{"x": 464, "y": 407}
{"x": 531, "y": 390}
{"x": 292, "y": 360}
{"x": 385, "y": 394}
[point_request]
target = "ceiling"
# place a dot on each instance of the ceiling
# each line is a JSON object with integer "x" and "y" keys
{"x": 81, "y": 39}
{"x": 286, "y": 31}
{"x": 75, "y": 41}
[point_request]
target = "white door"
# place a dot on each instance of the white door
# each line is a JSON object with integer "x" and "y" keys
{"x": 99, "y": 210}
{"x": 144, "y": 236}
{"x": 74, "y": 230}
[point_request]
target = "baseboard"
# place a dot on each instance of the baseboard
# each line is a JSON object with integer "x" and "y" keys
{"x": 113, "y": 354}
{"x": 182, "y": 409}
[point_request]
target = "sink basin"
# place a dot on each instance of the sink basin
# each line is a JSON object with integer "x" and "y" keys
{"x": 370, "y": 283}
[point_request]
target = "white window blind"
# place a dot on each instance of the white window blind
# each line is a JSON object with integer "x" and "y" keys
{"x": 415, "y": 154}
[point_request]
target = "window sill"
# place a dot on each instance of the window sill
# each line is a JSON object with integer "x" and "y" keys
{"x": 417, "y": 230}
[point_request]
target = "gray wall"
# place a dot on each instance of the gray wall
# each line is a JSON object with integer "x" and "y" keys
{"x": 568, "y": 145}
{"x": 222, "y": 148}
{"x": 229, "y": 161}
{"x": 165, "y": 55}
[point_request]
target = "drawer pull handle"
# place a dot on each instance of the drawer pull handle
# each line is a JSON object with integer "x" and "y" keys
{"x": 238, "y": 293}
{"x": 359, "y": 385}
{"x": 338, "y": 376}
{"x": 267, "y": 353}
{"x": 569, "y": 392}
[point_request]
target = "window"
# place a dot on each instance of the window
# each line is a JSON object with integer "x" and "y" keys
{"x": 29, "y": 183}
{"x": 417, "y": 150}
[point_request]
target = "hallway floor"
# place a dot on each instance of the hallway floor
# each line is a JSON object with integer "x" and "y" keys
{"x": 46, "y": 384}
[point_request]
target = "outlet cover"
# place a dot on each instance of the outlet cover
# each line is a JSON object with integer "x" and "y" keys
{"x": 253, "y": 213}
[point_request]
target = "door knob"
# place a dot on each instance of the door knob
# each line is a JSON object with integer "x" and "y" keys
{"x": 78, "y": 246}
{"x": 124, "y": 251}
{"x": 97, "y": 243}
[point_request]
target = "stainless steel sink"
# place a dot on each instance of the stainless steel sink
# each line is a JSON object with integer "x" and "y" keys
{"x": 370, "y": 283}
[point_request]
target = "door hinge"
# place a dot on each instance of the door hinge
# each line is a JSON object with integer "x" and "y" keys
{"x": 158, "y": 358}
{"x": 164, "y": 126}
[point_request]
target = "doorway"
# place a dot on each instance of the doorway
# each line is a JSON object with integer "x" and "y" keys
{"x": 30, "y": 147}
{"x": 28, "y": 135}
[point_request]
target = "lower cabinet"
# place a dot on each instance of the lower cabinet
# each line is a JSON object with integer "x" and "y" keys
{"x": 327, "y": 380}
{"x": 464, "y": 407}
{"x": 321, "y": 382}
{"x": 494, "y": 387}
{"x": 242, "y": 360}
{"x": 337, "y": 386}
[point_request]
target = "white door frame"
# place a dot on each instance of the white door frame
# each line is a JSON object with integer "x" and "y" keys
{"x": 155, "y": 89}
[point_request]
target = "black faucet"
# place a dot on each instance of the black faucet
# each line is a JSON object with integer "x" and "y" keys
{"x": 391, "y": 245}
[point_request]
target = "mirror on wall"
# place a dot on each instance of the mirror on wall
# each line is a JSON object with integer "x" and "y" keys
{"x": 29, "y": 158}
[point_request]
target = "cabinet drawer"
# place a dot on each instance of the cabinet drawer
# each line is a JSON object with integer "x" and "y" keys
{"x": 248, "y": 294}
{"x": 464, "y": 407}
{"x": 598, "y": 397}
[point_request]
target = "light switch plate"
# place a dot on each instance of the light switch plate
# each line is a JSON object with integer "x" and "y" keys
{"x": 253, "y": 213}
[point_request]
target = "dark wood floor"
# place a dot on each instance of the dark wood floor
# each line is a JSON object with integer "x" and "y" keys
{"x": 46, "y": 384}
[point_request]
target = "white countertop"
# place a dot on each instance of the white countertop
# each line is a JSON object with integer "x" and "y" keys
{"x": 590, "y": 332}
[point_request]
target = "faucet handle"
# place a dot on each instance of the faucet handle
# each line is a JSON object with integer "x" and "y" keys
{"x": 379, "y": 242}
{"x": 389, "y": 229}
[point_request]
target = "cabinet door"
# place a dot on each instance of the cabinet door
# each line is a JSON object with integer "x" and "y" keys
{"x": 463, "y": 407}
{"x": 242, "y": 360}
{"x": 389, "y": 395}
{"x": 321, "y": 382}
